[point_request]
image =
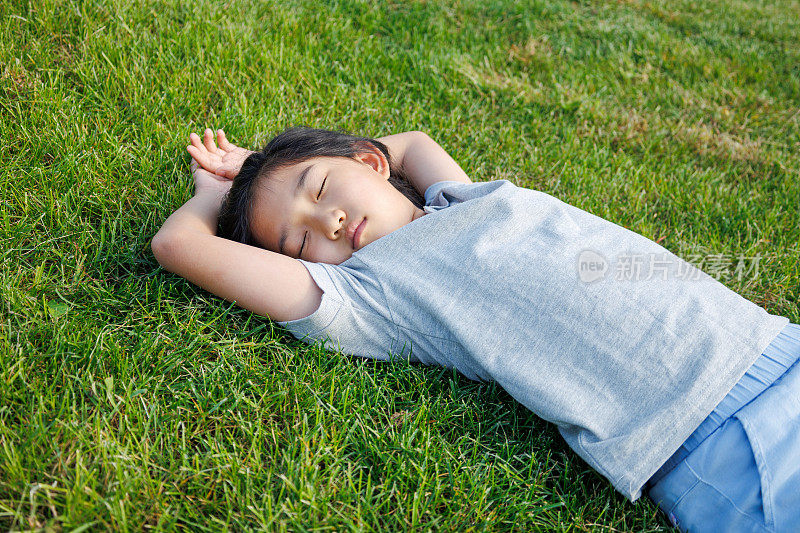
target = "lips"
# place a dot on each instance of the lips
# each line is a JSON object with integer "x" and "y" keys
{"x": 354, "y": 232}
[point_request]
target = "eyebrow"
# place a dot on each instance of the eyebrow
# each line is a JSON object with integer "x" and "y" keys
{"x": 300, "y": 182}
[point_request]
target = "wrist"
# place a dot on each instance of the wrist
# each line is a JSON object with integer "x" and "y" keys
{"x": 207, "y": 203}
{"x": 212, "y": 193}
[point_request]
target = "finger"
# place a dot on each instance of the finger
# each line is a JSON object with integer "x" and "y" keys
{"x": 208, "y": 140}
{"x": 196, "y": 142}
{"x": 226, "y": 172}
{"x": 222, "y": 140}
{"x": 202, "y": 157}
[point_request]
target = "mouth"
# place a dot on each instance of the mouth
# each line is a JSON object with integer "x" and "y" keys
{"x": 357, "y": 234}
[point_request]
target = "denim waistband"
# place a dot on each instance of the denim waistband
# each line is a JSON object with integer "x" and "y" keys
{"x": 777, "y": 358}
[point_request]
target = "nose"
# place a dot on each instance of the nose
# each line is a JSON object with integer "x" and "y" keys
{"x": 334, "y": 224}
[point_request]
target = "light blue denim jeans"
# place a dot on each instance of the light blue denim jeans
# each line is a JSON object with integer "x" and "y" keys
{"x": 740, "y": 469}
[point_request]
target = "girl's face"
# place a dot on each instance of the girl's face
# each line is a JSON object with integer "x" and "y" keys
{"x": 313, "y": 210}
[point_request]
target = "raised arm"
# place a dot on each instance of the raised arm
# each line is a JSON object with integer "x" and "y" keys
{"x": 424, "y": 161}
{"x": 264, "y": 282}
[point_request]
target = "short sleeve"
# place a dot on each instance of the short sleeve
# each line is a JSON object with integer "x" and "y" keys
{"x": 433, "y": 190}
{"x": 330, "y": 305}
{"x": 352, "y": 317}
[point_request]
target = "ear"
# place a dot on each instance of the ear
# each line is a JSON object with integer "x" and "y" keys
{"x": 370, "y": 155}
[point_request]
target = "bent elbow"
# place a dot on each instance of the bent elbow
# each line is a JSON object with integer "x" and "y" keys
{"x": 165, "y": 248}
{"x": 420, "y": 134}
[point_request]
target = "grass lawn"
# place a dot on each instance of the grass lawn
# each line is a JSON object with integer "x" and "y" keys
{"x": 132, "y": 400}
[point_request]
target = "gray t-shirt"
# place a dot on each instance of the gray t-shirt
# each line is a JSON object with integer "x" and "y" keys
{"x": 620, "y": 343}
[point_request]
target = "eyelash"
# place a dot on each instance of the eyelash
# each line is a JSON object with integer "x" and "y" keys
{"x": 306, "y": 233}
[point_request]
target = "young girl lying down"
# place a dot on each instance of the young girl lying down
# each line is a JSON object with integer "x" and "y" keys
{"x": 662, "y": 379}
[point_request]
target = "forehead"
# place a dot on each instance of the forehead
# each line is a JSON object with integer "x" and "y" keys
{"x": 273, "y": 199}
{"x": 272, "y": 203}
{"x": 285, "y": 183}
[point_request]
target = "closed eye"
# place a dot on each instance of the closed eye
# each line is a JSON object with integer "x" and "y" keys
{"x": 322, "y": 187}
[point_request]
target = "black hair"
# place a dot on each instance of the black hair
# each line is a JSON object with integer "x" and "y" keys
{"x": 295, "y": 145}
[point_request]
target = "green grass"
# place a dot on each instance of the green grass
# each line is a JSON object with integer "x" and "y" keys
{"x": 131, "y": 400}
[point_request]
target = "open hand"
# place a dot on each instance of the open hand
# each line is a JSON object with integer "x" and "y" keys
{"x": 224, "y": 160}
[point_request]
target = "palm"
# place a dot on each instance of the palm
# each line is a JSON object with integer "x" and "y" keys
{"x": 224, "y": 160}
